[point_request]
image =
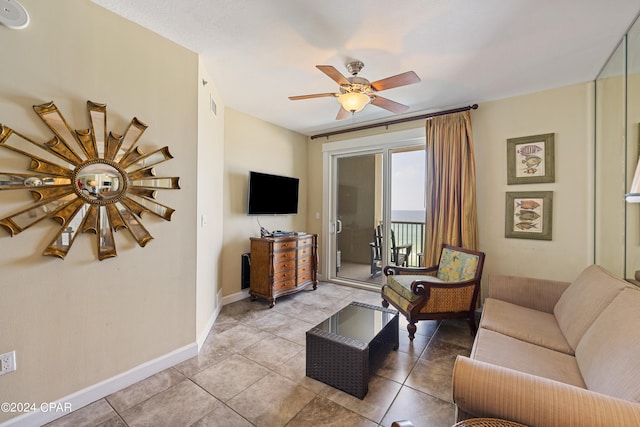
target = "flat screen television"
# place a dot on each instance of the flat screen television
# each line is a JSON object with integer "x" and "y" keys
{"x": 272, "y": 194}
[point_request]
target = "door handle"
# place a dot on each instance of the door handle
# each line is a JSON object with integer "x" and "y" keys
{"x": 338, "y": 226}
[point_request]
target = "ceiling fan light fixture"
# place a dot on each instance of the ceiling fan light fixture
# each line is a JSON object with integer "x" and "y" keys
{"x": 353, "y": 101}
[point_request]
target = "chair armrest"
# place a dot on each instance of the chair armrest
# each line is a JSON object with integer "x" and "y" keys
{"x": 538, "y": 294}
{"x": 420, "y": 287}
{"x": 486, "y": 390}
{"x": 395, "y": 269}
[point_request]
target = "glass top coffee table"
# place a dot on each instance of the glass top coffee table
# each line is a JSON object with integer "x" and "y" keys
{"x": 348, "y": 347}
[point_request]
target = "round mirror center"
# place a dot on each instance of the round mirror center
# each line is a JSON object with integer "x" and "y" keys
{"x": 99, "y": 182}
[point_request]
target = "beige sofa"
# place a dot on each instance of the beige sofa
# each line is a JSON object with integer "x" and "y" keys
{"x": 551, "y": 353}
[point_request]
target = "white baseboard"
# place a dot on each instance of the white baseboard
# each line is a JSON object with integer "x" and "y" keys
{"x": 235, "y": 297}
{"x": 205, "y": 332}
{"x": 104, "y": 388}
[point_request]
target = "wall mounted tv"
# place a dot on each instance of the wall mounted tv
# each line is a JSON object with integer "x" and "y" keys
{"x": 272, "y": 194}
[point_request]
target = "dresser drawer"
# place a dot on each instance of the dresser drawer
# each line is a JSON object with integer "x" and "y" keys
{"x": 305, "y": 260}
{"x": 284, "y": 284}
{"x": 304, "y": 269}
{"x": 284, "y": 256}
{"x": 284, "y": 275}
{"x": 287, "y": 244}
{"x": 305, "y": 251}
{"x": 289, "y": 264}
{"x": 306, "y": 241}
{"x": 304, "y": 277}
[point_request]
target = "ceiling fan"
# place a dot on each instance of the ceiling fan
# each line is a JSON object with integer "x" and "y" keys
{"x": 356, "y": 92}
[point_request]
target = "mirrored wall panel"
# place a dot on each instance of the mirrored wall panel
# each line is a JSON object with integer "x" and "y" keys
{"x": 617, "y": 143}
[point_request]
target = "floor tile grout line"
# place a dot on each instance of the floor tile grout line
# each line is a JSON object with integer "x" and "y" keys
{"x": 116, "y": 411}
{"x": 219, "y": 400}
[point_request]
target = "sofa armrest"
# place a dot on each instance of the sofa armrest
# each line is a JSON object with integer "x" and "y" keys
{"x": 537, "y": 294}
{"x": 486, "y": 390}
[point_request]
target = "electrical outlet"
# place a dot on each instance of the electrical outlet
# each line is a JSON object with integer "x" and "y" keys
{"x": 7, "y": 362}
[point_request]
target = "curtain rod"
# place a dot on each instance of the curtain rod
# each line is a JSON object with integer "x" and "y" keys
{"x": 393, "y": 122}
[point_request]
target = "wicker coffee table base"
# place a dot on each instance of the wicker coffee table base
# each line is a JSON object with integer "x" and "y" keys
{"x": 345, "y": 363}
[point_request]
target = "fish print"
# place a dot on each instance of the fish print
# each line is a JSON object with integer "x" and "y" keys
{"x": 528, "y": 215}
{"x": 528, "y": 204}
{"x": 528, "y": 150}
{"x": 526, "y": 225}
{"x": 531, "y": 161}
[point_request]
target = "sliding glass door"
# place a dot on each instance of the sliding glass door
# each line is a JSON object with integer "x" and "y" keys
{"x": 377, "y": 212}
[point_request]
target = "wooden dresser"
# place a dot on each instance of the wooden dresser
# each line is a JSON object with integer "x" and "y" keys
{"x": 282, "y": 265}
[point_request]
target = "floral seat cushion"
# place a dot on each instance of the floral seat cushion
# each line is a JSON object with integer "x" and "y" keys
{"x": 457, "y": 266}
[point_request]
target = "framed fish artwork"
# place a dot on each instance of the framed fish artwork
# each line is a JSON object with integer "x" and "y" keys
{"x": 530, "y": 159}
{"x": 529, "y": 215}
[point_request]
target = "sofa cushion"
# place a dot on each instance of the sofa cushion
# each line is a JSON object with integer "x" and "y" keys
{"x": 609, "y": 353}
{"x": 526, "y": 324}
{"x": 502, "y": 350}
{"x": 583, "y": 301}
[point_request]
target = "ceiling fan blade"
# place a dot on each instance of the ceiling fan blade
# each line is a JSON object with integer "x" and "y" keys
{"x": 387, "y": 104}
{"x": 334, "y": 74}
{"x": 342, "y": 114}
{"x": 403, "y": 79}
{"x": 315, "y": 95}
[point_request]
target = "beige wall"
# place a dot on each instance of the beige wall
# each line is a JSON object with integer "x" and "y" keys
{"x": 252, "y": 144}
{"x": 314, "y": 197}
{"x": 209, "y": 201}
{"x": 78, "y": 321}
{"x": 566, "y": 112}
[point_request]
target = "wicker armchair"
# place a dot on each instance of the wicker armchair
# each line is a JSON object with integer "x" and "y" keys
{"x": 447, "y": 290}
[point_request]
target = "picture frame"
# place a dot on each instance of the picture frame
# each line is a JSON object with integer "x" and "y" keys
{"x": 529, "y": 215}
{"x": 530, "y": 159}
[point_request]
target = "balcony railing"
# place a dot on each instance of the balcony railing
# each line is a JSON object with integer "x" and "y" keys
{"x": 410, "y": 233}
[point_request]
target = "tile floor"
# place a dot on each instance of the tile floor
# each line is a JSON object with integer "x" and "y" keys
{"x": 251, "y": 372}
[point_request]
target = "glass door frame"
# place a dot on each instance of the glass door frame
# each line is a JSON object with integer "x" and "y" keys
{"x": 375, "y": 144}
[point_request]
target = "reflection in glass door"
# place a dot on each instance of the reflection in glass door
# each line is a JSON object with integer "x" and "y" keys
{"x": 358, "y": 203}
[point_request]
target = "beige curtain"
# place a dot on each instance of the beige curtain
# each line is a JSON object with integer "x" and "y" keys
{"x": 451, "y": 215}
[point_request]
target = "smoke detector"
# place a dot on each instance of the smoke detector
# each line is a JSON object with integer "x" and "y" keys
{"x": 13, "y": 15}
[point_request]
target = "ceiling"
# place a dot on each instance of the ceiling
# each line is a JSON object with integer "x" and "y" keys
{"x": 259, "y": 52}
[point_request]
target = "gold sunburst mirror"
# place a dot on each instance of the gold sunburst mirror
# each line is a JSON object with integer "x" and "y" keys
{"x": 87, "y": 181}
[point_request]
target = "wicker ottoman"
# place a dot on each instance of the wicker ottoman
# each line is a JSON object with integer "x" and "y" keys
{"x": 344, "y": 350}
